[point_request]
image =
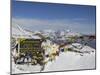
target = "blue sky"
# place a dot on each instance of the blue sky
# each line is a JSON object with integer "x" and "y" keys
{"x": 41, "y": 16}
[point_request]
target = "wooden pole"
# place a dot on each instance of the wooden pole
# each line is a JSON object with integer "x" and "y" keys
{"x": 18, "y": 45}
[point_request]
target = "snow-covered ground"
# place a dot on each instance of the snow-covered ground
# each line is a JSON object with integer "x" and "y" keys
{"x": 69, "y": 60}
{"x": 25, "y": 68}
{"x": 65, "y": 61}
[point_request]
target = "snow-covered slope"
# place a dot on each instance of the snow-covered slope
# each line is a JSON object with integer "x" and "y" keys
{"x": 72, "y": 61}
{"x": 65, "y": 61}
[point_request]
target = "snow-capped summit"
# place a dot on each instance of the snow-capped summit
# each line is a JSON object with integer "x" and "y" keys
{"x": 70, "y": 34}
{"x": 19, "y": 32}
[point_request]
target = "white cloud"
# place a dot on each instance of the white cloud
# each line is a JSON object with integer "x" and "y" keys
{"x": 55, "y": 24}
